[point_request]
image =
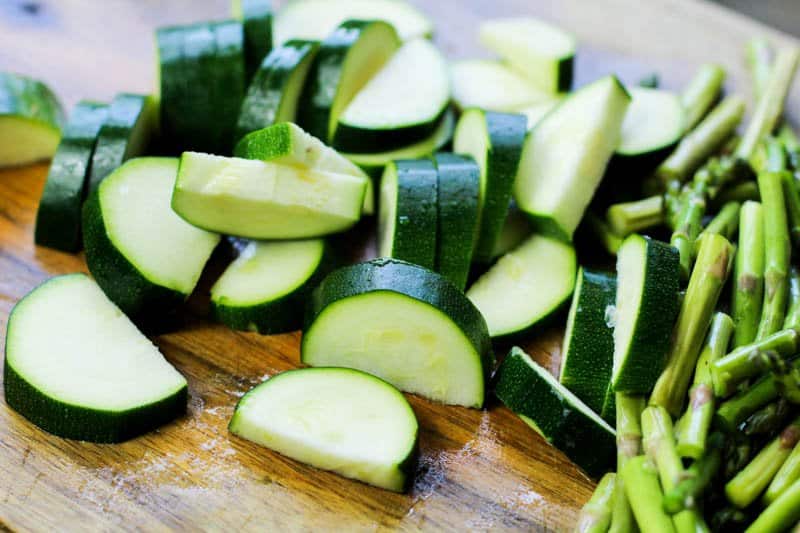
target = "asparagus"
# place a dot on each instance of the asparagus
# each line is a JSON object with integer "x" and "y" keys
{"x": 693, "y": 482}
{"x": 630, "y": 217}
{"x": 791, "y": 143}
{"x": 748, "y": 293}
{"x": 791, "y": 194}
{"x": 697, "y": 308}
{"x": 701, "y": 93}
{"x": 601, "y": 230}
{"x": 793, "y": 310}
{"x": 726, "y": 222}
{"x": 759, "y": 59}
{"x": 595, "y": 515}
{"x": 687, "y": 230}
{"x": 697, "y": 420}
{"x": 781, "y": 514}
{"x": 768, "y": 419}
{"x": 787, "y": 475}
{"x": 629, "y": 445}
{"x": 740, "y": 192}
{"x": 785, "y": 374}
{"x": 748, "y": 484}
{"x": 642, "y": 489}
{"x": 746, "y": 361}
{"x": 736, "y": 410}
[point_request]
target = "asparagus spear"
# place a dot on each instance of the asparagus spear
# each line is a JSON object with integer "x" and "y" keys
{"x": 781, "y": 514}
{"x": 693, "y": 482}
{"x": 791, "y": 143}
{"x": 787, "y": 474}
{"x": 768, "y": 419}
{"x": 793, "y": 310}
{"x": 642, "y": 489}
{"x": 701, "y": 93}
{"x": 740, "y": 192}
{"x": 629, "y": 445}
{"x": 595, "y": 515}
{"x": 746, "y": 361}
{"x": 748, "y": 484}
{"x": 697, "y": 308}
{"x": 687, "y": 229}
{"x": 726, "y": 222}
{"x": 748, "y": 294}
{"x": 697, "y": 420}
{"x": 759, "y": 59}
{"x": 785, "y": 374}
{"x": 630, "y": 217}
{"x": 736, "y": 410}
{"x": 791, "y": 194}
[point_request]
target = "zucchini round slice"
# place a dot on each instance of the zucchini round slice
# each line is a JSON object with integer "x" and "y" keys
{"x": 125, "y": 134}
{"x": 275, "y": 90}
{"x": 402, "y": 323}
{"x": 555, "y": 413}
{"x": 202, "y": 83}
{"x": 415, "y": 81}
{"x": 265, "y": 288}
{"x": 316, "y": 19}
{"x": 491, "y": 85}
{"x": 58, "y": 219}
{"x": 346, "y": 61}
{"x": 540, "y": 51}
{"x": 495, "y": 141}
{"x": 256, "y": 17}
{"x": 30, "y": 120}
{"x": 144, "y": 256}
{"x": 457, "y": 225}
{"x": 648, "y": 280}
{"x": 78, "y": 368}
{"x": 526, "y": 286}
{"x": 588, "y": 351}
{"x": 335, "y": 419}
{"x": 566, "y": 154}
{"x": 407, "y": 213}
{"x": 265, "y": 200}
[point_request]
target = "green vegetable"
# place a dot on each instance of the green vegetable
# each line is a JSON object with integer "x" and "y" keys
{"x": 701, "y": 93}
{"x": 748, "y": 293}
{"x": 256, "y": 16}
{"x": 492, "y": 85}
{"x": 629, "y": 444}
{"x": 641, "y": 486}
{"x": 595, "y": 515}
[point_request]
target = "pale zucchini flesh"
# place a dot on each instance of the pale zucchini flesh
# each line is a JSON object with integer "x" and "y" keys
{"x": 493, "y": 86}
{"x": 653, "y": 122}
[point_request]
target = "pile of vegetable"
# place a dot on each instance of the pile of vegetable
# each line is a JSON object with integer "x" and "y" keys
{"x": 273, "y": 131}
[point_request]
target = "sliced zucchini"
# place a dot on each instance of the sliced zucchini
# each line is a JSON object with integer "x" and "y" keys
{"x": 493, "y": 86}
{"x": 78, "y": 368}
{"x": 30, "y": 120}
{"x": 275, "y": 90}
{"x": 495, "y": 141}
{"x": 256, "y": 17}
{"x": 336, "y": 419}
{"x": 402, "y": 323}
{"x": 316, "y": 19}
{"x": 565, "y": 156}
{"x": 526, "y": 286}
{"x": 588, "y": 351}
{"x": 543, "y": 53}
{"x": 264, "y": 200}
{"x": 265, "y": 288}
{"x": 515, "y": 230}
{"x": 144, "y": 256}
{"x": 202, "y": 84}
{"x": 126, "y": 133}
{"x": 415, "y": 81}
{"x": 555, "y": 413}
{"x": 648, "y": 280}
{"x": 58, "y": 219}
{"x": 458, "y": 188}
{"x": 536, "y": 112}
{"x": 407, "y": 212}
{"x": 346, "y": 61}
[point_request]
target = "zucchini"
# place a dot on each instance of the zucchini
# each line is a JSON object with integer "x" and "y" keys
{"x": 58, "y": 219}
{"x": 30, "y": 120}
{"x": 316, "y": 19}
{"x": 264, "y": 200}
{"x": 78, "y": 368}
{"x": 202, "y": 84}
{"x": 495, "y": 141}
{"x": 335, "y": 419}
{"x": 491, "y": 85}
{"x": 402, "y": 323}
{"x": 588, "y": 350}
{"x": 526, "y": 286}
{"x": 256, "y": 17}
{"x": 541, "y": 52}
{"x": 648, "y": 280}
{"x": 265, "y": 288}
{"x": 565, "y": 156}
{"x": 515, "y": 230}
{"x": 458, "y": 188}
{"x": 415, "y": 81}
{"x": 556, "y": 414}
{"x": 144, "y": 256}
{"x": 125, "y": 134}
{"x": 407, "y": 213}
{"x": 346, "y": 61}
{"x": 275, "y": 90}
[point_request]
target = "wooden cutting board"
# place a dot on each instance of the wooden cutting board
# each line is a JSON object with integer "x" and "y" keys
{"x": 479, "y": 470}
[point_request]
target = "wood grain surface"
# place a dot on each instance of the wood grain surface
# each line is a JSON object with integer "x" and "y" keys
{"x": 479, "y": 470}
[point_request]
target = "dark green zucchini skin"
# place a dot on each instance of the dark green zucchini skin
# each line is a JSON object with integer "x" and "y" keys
{"x": 414, "y": 239}
{"x": 526, "y": 393}
{"x": 202, "y": 86}
{"x": 268, "y": 88}
{"x": 30, "y": 98}
{"x": 457, "y": 202}
{"x": 58, "y": 219}
{"x": 277, "y": 316}
{"x": 414, "y": 281}
{"x": 354, "y": 139}
{"x": 257, "y": 23}
{"x": 566, "y": 68}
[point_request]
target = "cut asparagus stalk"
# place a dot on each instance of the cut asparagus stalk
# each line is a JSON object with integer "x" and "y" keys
{"x": 791, "y": 194}
{"x": 748, "y": 294}
{"x": 708, "y": 278}
{"x": 701, "y": 93}
{"x": 595, "y": 515}
{"x": 781, "y": 514}
{"x": 787, "y": 475}
{"x": 790, "y": 141}
{"x": 767, "y": 420}
{"x": 725, "y": 223}
{"x": 642, "y": 489}
{"x": 736, "y": 410}
{"x": 631, "y": 217}
{"x": 629, "y": 445}
{"x": 696, "y": 478}
{"x": 793, "y": 309}
{"x": 697, "y": 420}
{"x": 740, "y": 192}
{"x": 785, "y": 374}
{"x": 687, "y": 229}
{"x": 759, "y": 60}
